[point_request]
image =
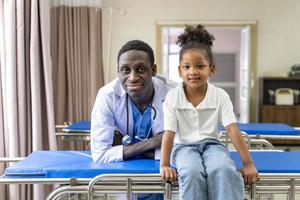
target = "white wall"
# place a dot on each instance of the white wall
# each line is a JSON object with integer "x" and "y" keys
{"x": 278, "y": 26}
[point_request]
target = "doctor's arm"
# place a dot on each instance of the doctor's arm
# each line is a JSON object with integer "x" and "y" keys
{"x": 144, "y": 148}
{"x": 103, "y": 128}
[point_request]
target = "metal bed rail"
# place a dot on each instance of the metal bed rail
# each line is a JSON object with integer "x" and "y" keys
{"x": 257, "y": 143}
{"x": 81, "y": 135}
{"x": 47, "y": 181}
{"x": 132, "y": 184}
{"x": 11, "y": 159}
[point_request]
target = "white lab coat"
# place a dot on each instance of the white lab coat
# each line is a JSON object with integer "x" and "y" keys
{"x": 109, "y": 114}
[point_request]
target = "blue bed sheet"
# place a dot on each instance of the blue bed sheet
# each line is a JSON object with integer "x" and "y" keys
{"x": 79, "y": 164}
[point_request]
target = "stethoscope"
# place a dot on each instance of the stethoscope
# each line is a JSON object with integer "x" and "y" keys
{"x": 126, "y": 140}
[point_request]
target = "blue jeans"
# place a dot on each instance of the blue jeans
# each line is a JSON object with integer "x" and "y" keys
{"x": 206, "y": 172}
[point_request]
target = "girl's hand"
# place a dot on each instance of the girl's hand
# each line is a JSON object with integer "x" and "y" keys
{"x": 250, "y": 173}
{"x": 168, "y": 173}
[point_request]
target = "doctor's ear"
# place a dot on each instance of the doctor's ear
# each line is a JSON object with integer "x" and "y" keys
{"x": 154, "y": 70}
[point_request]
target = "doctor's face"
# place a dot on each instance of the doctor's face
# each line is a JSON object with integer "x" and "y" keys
{"x": 135, "y": 72}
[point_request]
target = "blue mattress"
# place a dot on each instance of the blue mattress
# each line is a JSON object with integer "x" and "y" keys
{"x": 268, "y": 129}
{"x": 81, "y": 126}
{"x": 250, "y": 128}
{"x": 79, "y": 164}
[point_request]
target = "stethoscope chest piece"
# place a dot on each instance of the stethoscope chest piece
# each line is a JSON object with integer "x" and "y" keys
{"x": 126, "y": 140}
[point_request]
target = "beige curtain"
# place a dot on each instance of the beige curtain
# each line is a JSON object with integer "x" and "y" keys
{"x": 77, "y": 61}
{"x": 26, "y": 96}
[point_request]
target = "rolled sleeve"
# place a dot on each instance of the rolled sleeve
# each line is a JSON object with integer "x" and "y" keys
{"x": 227, "y": 115}
{"x": 157, "y": 154}
{"x": 102, "y": 133}
{"x": 170, "y": 118}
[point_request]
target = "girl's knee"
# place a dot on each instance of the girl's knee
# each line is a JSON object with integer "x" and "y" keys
{"x": 222, "y": 171}
{"x": 191, "y": 172}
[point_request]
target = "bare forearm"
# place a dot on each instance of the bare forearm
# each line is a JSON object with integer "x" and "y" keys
{"x": 249, "y": 172}
{"x": 166, "y": 148}
{"x": 145, "y": 148}
{"x": 239, "y": 143}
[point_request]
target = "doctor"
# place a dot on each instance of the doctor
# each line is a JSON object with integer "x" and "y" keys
{"x": 127, "y": 117}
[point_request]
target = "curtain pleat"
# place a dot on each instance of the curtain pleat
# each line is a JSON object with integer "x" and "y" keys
{"x": 3, "y": 125}
{"x": 26, "y": 96}
{"x": 77, "y": 61}
{"x": 96, "y": 73}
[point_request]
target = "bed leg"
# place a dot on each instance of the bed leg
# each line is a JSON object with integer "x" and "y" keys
{"x": 168, "y": 191}
{"x": 253, "y": 194}
{"x": 129, "y": 190}
{"x": 292, "y": 189}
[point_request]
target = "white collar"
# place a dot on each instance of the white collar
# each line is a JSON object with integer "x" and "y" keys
{"x": 209, "y": 101}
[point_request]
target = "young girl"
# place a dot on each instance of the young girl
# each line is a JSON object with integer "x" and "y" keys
{"x": 192, "y": 115}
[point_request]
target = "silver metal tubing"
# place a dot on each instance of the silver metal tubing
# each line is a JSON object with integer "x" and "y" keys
{"x": 272, "y": 183}
{"x": 11, "y": 159}
{"x": 262, "y": 142}
{"x": 48, "y": 181}
{"x": 244, "y": 134}
{"x": 168, "y": 191}
{"x": 66, "y": 189}
{"x": 292, "y": 190}
{"x": 128, "y": 183}
{"x": 76, "y": 134}
{"x": 60, "y": 126}
{"x": 253, "y": 191}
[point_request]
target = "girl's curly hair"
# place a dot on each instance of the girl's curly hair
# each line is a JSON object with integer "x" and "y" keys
{"x": 196, "y": 34}
{"x": 196, "y": 37}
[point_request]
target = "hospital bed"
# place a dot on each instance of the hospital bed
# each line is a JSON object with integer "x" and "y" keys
{"x": 262, "y": 130}
{"x": 280, "y": 173}
{"x": 78, "y": 131}
{"x": 263, "y": 135}
{"x": 256, "y": 134}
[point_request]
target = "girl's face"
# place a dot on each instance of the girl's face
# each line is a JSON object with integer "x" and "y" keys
{"x": 195, "y": 69}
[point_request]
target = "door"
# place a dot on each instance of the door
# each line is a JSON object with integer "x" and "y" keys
{"x": 231, "y": 50}
{"x": 245, "y": 84}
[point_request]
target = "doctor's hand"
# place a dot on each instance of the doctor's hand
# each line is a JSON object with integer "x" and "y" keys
{"x": 250, "y": 173}
{"x": 117, "y": 138}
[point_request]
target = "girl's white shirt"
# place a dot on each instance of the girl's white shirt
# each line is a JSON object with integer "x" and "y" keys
{"x": 193, "y": 124}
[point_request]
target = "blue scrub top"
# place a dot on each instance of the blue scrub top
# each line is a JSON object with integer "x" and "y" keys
{"x": 142, "y": 123}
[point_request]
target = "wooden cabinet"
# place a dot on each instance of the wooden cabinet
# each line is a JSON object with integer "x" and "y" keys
{"x": 271, "y": 113}
{"x": 281, "y": 114}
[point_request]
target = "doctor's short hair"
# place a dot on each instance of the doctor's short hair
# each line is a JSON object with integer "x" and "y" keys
{"x": 137, "y": 45}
